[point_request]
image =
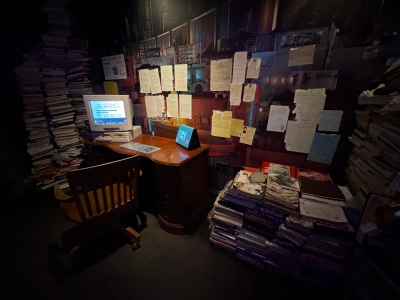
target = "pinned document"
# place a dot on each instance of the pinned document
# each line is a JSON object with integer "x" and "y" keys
{"x": 166, "y": 78}
{"x": 160, "y": 103}
{"x": 144, "y": 80}
{"x": 323, "y": 147}
{"x": 247, "y": 135}
{"x": 110, "y": 88}
{"x": 220, "y": 73}
{"x": 172, "y": 106}
{"x": 221, "y": 123}
{"x": 330, "y": 120}
{"x": 155, "y": 81}
{"x": 253, "y": 69}
{"x": 151, "y": 106}
{"x": 181, "y": 77}
{"x": 236, "y": 127}
{"x": 249, "y": 92}
{"x": 303, "y": 55}
{"x": 278, "y": 118}
{"x": 185, "y": 106}
{"x": 239, "y": 67}
{"x": 299, "y": 135}
{"x": 235, "y": 96}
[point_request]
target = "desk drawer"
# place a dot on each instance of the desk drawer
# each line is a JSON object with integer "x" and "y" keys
{"x": 170, "y": 215}
{"x": 167, "y": 197}
{"x": 167, "y": 175}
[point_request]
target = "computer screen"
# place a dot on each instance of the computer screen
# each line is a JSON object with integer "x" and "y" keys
{"x": 108, "y": 112}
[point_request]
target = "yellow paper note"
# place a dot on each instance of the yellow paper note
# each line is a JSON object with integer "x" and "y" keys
{"x": 221, "y": 123}
{"x": 110, "y": 88}
{"x": 236, "y": 127}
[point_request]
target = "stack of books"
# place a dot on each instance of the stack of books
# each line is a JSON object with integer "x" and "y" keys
{"x": 78, "y": 81}
{"x": 29, "y": 77}
{"x": 309, "y": 240}
{"x": 375, "y": 158}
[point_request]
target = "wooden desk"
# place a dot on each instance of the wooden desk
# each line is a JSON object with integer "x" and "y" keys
{"x": 178, "y": 177}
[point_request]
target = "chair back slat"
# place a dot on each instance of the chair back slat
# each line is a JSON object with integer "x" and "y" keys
{"x": 96, "y": 198}
{"x": 99, "y": 189}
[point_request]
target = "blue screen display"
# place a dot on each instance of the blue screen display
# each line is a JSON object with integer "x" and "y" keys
{"x": 183, "y": 136}
{"x": 108, "y": 112}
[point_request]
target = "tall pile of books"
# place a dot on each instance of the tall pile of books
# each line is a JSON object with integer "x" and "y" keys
{"x": 78, "y": 79}
{"x": 309, "y": 240}
{"x": 29, "y": 76}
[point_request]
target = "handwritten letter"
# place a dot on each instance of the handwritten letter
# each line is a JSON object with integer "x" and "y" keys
{"x": 221, "y": 74}
{"x": 144, "y": 79}
{"x": 166, "y": 78}
{"x": 330, "y": 120}
{"x": 236, "y": 127}
{"x": 249, "y": 92}
{"x": 181, "y": 77}
{"x": 172, "y": 106}
{"x": 155, "y": 81}
{"x": 221, "y": 123}
{"x": 236, "y": 94}
{"x": 278, "y": 118}
{"x": 253, "y": 69}
{"x": 239, "y": 67}
{"x": 151, "y": 107}
{"x": 299, "y": 136}
{"x": 185, "y": 106}
{"x": 303, "y": 55}
{"x": 160, "y": 103}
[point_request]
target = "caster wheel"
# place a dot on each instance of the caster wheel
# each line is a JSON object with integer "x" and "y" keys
{"x": 135, "y": 246}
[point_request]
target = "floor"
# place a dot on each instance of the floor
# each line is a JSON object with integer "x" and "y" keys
{"x": 165, "y": 267}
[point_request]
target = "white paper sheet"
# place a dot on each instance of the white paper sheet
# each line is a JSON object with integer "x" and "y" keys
{"x": 239, "y": 67}
{"x": 299, "y": 135}
{"x": 247, "y": 135}
{"x": 155, "y": 81}
{"x": 278, "y": 118}
{"x": 185, "y": 106}
{"x": 235, "y": 95}
{"x": 144, "y": 80}
{"x": 172, "y": 106}
{"x": 166, "y": 78}
{"x": 181, "y": 77}
{"x": 303, "y": 55}
{"x": 309, "y": 104}
{"x": 253, "y": 69}
{"x": 114, "y": 67}
{"x": 330, "y": 120}
{"x": 160, "y": 102}
{"x": 249, "y": 92}
{"x": 322, "y": 211}
{"x": 221, "y": 71}
{"x": 151, "y": 106}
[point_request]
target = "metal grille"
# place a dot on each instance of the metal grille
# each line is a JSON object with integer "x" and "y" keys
{"x": 220, "y": 171}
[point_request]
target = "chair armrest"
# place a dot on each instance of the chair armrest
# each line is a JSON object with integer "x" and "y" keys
{"x": 59, "y": 194}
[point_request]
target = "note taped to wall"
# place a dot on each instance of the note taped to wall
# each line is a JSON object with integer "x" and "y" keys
{"x": 278, "y": 118}
{"x": 239, "y": 67}
{"x": 151, "y": 106}
{"x": 253, "y": 69}
{"x": 309, "y": 104}
{"x": 110, "y": 88}
{"x": 247, "y": 135}
{"x": 155, "y": 81}
{"x": 221, "y": 123}
{"x": 181, "y": 77}
{"x": 236, "y": 127}
{"x": 330, "y": 120}
{"x": 185, "y": 106}
{"x": 144, "y": 80}
{"x": 160, "y": 103}
{"x": 114, "y": 67}
{"x": 235, "y": 96}
{"x": 249, "y": 92}
{"x": 299, "y": 135}
{"x": 323, "y": 147}
{"x": 220, "y": 74}
{"x": 303, "y": 55}
{"x": 166, "y": 78}
{"x": 172, "y": 106}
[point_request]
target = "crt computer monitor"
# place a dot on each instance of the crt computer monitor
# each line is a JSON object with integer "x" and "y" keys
{"x": 109, "y": 112}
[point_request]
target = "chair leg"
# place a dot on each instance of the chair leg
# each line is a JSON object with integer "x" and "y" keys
{"x": 129, "y": 232}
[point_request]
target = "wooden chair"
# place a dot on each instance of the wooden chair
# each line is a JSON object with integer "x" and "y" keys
{"x": 100, "y": 195}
